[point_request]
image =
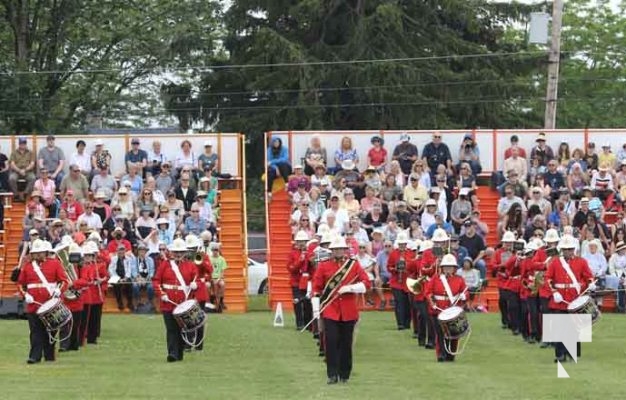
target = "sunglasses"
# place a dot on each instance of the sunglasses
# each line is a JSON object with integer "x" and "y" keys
{"x": 75, "y": 170}
{"x": 122, "y": 194}
{"x": 194, "y": 211}
{"x": 436, "y": 137}
{"x": 304, "y": 220}
{"x": 387, "y": 246}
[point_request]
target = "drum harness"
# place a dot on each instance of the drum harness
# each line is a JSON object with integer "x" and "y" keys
{"x": 50, "y": 288}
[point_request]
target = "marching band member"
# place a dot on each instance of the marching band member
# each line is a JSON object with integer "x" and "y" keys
{"x": 93, "y": 296}
{"x": 501, "y": 257}
{"x": 567, "y": 276}
{"x": 443, "y": 291}
{"x": 74, "y": 299}
{"x": 335, "y": 286}
{"x": 529, "y": 268}
{"x": 40, "y": 280}
{"x": 204, "y": 269}
{"x": 397, "y": 267}
{"x": 418, "y": 270}
{"x": 297, "y": 257}
{"x": 173, "y": 282}
{"x": 545, "y": 254}
{"x": 512, "y": 273}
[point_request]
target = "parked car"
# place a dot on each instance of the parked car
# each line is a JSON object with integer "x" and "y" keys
{"x": 257, "y": 277}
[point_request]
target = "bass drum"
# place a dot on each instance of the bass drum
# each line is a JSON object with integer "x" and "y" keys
{"x": 454, "y": 323}
{"x": 54, "y": 315}
{"x": 189, "y": 316}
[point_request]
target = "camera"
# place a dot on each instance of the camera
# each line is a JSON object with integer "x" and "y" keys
{"x": 75, "y": 258}
{"x": 518, "y": 246}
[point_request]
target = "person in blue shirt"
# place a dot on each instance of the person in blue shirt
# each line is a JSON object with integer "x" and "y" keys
{"x": 277, "y": 162}
{"x": 141, "y": 273}
{"x": 439, "y": 223}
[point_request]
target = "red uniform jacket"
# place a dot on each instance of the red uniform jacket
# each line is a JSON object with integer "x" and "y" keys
{"x": 417, "y": 268}
{"x": 166, "y": 276}
{"x": 54, "y": 273}
{"x": 528, "y": 268}
{"x": 436, "y": 294}
{"x": 500, "y": 258}
{"x": 540, "y": 256}
{"x": 113, "y": 244}
{"x": 205, "y": 271}
{"x": 556, "y": 275}
{"x": 513, "y": 274}
{"x": 344, "y": 306}
{"x": 79, "y": 284}
{"x": 398, "y": 278}
{"x": 295, "y": 265}
{"x": 88, "y": 273}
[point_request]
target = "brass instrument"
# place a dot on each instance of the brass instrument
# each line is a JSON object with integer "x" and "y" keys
{"x": 63, "y": 253}
{"x": 198, "y": 259}
{"x": 538, "y": 282}
{"x": 416, "y": 286}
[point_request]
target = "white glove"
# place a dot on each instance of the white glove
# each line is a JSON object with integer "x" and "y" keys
{"x": 558, "y": 297}
{"x": 193, "y": 285}
{"x": 592, "y": 287}
{"x": 354, "y": 288}
{"x": 462, "y": 296}
{"x": 56, "y": 292}
{"x": 344, "y": 289}
{"x": 577, "y": 287}
{"x": 309, "y": 290}
{"x": 164, "y": 298}
{"x": 315, "y": 303}
{"x": 28, "y": 298}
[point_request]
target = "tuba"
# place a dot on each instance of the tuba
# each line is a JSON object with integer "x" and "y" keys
{"x": 63, "y": 253}
{"x": 416, "y": 286}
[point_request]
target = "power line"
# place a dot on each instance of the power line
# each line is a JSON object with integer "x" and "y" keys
{"x": 285, "y": 64}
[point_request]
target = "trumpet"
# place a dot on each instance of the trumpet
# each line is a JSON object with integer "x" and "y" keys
{"x": 416, "y": 286}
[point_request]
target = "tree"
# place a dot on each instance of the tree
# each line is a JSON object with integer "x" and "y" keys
{"x": 62, "y": 60}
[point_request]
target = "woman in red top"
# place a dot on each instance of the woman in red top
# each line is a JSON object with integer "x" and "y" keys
{"x": 377, "y": 155}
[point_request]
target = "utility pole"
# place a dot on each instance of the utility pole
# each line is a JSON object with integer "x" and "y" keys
{"x": 554, "y": 57}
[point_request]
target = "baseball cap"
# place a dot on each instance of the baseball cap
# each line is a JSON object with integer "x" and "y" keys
{"x": 134, "y": 141}
{"x": 208, "y": 143}
{"x": 22, "y": 139}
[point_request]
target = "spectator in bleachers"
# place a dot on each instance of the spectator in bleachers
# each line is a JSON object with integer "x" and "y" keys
{"x": 120, "y": 269}
{"x": 35, "y": 206}
{"x": 482, "y": 228}
{"x": 164, "y": 233}
{"x": 390, "y": 192}
{"x": 157, "y": 195}
{"x": 155, "y": 159}
{"x": 300, "y": 195}
{"x": 185, "y": 193}
{"x": 100, "y": 158}
{"x": 372, "y": 178}
{"x": 475, "y": 246}
{"x": 516, "y": 163}
{"x": 467, "y": 181}
{"x": 176, "y": 207}
{"x": 620, "y": 181}
{"x": 315, "y": 156}
{"x": 563, "y": 157}
{"x": 458, "y": 251}
{"x": 418, "y": 170}
{"x": 136, "y": 157}
{"x": 142, "y": 271}
{"x": 68, "y": 224}
{"x": 602, "y": 183}
{"x": 304, "y": 224}
{"x": 595, "y": 258}
{"x": 621, "y": 154}
{"x": 577, "y": 179}
{"x": 405, "y": 153}
{"x": 52, "y": 158}
{"x": 399, "y": 176}
{"x": 374, "y": 219}
{"x": 471, "y": 276}
{"x": 599, "y": 229}
{"x": 437, "y": 153}
{"x": 104, "y": 182}
{"x": 193, "y": 223}
{"x": 297, "y": 178}
{"x": 348, "y": 176}
{"x": 22, "y": 163}
{"x": 521, "y": 153}
{"x": 403, "y": 215}
{"x": 554, "y": 179}
{"x": 360, "y": 234}
{"x": 145, "y": 224}
{"x": 461, "y": 209}
{"x": 164, "y": 180}
{"x": 577, "y": 157}
{"x": 536, "y": 198}
{"x": 414, "y": 195}
{"x": 370, "y": 199}
{"x": 125, "y": 203}
{"x": 218, "y": 282}
{"x": 206, "y": 211}
{"x": 607, "y": 158}
{"x": 350, "y": 204}
{"x": 75, "y": 182}
{"x": 100, "y": 207}
{"x": 56, "y": 232}
{"x": 346, "y": 152}
{"x": 415, "y": 230}
{"x": 208, "y": 160}
{"x": 4, "y": 172}
{"x": 377, "y": 154}
{"x": 317, "y": 205}
{"x": 72, "y": 206}
{"x": 511, "y": 210}
{"x": 470, "y": 153}
{"x": 443, "y": 194}
{"x": 47, "y": 189}
{"x": 440, "y": 223}
{"x": 186, "y": 159}
{"x": 591, "y": 158}
{"x": 616, "y": 275}
{"x": 134, "y": 177}
{"x": 319, "y": 175}
{"x": 542, "y": 151}
{"x": 174, "y": 222}
{"x": 277, "y": 163}
{"x": 341, "y": 215}
{"x": 92, "y": 219}
{"x": 82, "y": 159}
{"x": 146, "y": 201}
{"x": 303, "y": 210}
{"x": 119, "y": 236}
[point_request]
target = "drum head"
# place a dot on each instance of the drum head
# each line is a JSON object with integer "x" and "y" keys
{"x": 450, "y": 313}
{"x": 48, "y": 305}
{"x": 578, "y": 303}
{"x": 184, "y": 307}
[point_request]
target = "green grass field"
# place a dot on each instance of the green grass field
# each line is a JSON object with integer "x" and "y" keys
{"x": 247, "y": 358}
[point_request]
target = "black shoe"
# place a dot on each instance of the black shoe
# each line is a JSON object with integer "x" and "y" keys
{"x": 31, "y": 361}
{"x": 450, "y": 358}
{"x": 544, "y": 345}
{"x": 421, "y": 343}
{"x": 429, "y": 346}
{"x": 504, "y": 326}
{"x": 321, "y": 353}
{"x": 516, "y": 333}
{"x": 401, "y": 328}
{"x": 63, "y": 350}
{"x": 50, "y": 360}
{"x": 441, "y": 359}
{"x": 560, "y": 359}
{"x": 171, "y": 358}
{"x": 414, "y": 336}
{"x": 343, "y": 380}
{"x": 332, "y": 380}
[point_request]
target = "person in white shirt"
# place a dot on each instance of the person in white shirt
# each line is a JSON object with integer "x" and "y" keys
{"x": 120, "y": 272}
{"x": 616, "y": 278}
{"x": 428, "y": 217}
{"x": 509, "y": 198}
{"x": 595, "y": 258}
{"x": 92, "y": 219}
{"x": 156, "y": 158}
{"x": 471, "y": 276}
{"x": 342, "y": 219}
{"x": 82, "y": 159}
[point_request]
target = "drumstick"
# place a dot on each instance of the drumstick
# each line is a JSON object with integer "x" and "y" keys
{"x": 170, "y": 301}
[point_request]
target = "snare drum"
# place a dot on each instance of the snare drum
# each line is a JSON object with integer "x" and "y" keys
{"x": 54, "y": 314}
{"x": 189, "y": 316}
{"x": 584, "y": 305}
{"x": 454, "y": 323}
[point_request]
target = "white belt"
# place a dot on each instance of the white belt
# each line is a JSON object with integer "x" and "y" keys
{"x": 564, "y": 286}
{"x": 440, "y": 298}
{"x": 515, "y": 277}
{"x": 305, "y": 275}
{"x": 173, "y": 287}
{"x": 41, "y": 285}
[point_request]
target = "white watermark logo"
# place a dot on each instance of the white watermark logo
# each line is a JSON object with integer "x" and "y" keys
{"x": 567, "y": 329}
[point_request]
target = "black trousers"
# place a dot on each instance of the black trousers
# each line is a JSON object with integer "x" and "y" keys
{"x": 307, "y": 309}
{"x": 533, "y": 317}
{"x": 502, "y": 305}
{"x": 425, "y": 329}
{"x": 39, "y": 341}
{"x": 338, "y": 347}
{"x": 125, "y": 291}
{"x": 441, "y": 342}
{"x": 298, "y": 307}
{"x": 70, "y": 333}
{"x": 560, "y": 351}
{"x": 513, "y": 309}
{"x": 524, "y": 326}
{"x": 402, "y": 308}
{"x": 544, "y": 309}
{"x": 175, "y": 343}
{"x": 91, "y": 319}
